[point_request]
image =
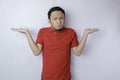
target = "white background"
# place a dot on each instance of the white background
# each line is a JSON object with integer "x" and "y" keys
{"x": 100, "y": 59}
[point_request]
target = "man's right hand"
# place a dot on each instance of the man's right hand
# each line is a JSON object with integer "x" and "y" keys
{"x": 36, "y": 48}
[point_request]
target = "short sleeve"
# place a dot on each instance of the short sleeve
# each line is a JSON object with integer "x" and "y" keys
{"x": 39, "y": 37}
{"x": 74, "y": 41}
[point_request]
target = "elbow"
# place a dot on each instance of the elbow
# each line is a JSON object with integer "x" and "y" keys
{"x": 36, "y": 53}
{"x": 77, "y": 51}
{"x": 77, "y": 54}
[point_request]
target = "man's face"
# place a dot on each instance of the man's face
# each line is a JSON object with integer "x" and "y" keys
{"x": 57, "y": 20}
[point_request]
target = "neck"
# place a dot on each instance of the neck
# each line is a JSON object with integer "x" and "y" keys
{"x": 58, "y": 29}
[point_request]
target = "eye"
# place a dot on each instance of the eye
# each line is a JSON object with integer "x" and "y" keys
{"x": 55, "y": 18}
{"x": 62, "y": 18}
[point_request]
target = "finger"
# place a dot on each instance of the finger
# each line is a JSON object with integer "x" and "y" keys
{"x": 95, "y": 29}
{"x": 14, "y": 29}
{"x": 89, "y": 28}
{"x": 17, "y": 29}
{"x": 21, "y": 28}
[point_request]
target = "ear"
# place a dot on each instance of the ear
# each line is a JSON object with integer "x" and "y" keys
{"x": 49, "y": 21}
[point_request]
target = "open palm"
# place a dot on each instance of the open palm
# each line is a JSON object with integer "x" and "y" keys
{"x": 91, "y": 30}
{"x": 21, "y": 30}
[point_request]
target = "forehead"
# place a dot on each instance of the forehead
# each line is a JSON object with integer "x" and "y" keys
{"x": 57, "y": 13}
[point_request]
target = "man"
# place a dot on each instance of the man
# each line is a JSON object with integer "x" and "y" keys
{"x": 55, "y": 42}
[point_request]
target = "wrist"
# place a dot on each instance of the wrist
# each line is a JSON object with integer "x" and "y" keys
{"x": 85, "y": 34}
{"x": 27, "y": 33}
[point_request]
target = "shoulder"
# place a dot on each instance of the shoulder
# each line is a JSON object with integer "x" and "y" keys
{"x": 70, "y": 30}
{"x": 43, "y": 29}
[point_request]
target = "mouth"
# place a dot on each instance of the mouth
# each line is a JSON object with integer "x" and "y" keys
{"x": 60, "y": 26}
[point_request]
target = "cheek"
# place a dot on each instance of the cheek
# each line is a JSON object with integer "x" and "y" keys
{"x": 62, "y": 20}
{"x": 54, "y": 23}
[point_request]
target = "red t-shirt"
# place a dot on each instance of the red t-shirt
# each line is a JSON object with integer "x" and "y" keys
{"x": 56, "y": 52}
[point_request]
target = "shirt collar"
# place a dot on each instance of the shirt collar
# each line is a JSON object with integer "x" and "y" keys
{"x": 51, "y": 30}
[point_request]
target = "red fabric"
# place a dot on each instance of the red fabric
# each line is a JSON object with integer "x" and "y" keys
{"x": 56, "y": 52}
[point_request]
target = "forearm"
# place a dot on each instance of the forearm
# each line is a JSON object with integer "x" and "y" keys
{"x": 81, "y": 45}
{"x": 34, "y": 47}
{"x": 78, "y": 50}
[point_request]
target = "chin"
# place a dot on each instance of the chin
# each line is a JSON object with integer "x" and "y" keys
{"x": 58, "y": 28}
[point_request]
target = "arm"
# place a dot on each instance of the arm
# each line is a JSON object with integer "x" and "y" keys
{"x": 36, "y": 48}
{"x": 78, "y": 49}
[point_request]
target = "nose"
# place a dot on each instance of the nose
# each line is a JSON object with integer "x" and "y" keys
{"x": 58, "y": 21}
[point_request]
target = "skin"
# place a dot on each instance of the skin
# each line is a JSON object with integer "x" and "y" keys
{"x": 57, "y": 21}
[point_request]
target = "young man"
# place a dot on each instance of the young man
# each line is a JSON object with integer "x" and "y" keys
{"x": 55, "y": 42}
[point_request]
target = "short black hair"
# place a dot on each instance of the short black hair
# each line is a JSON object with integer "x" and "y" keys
{"x": 56, "y": 8}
